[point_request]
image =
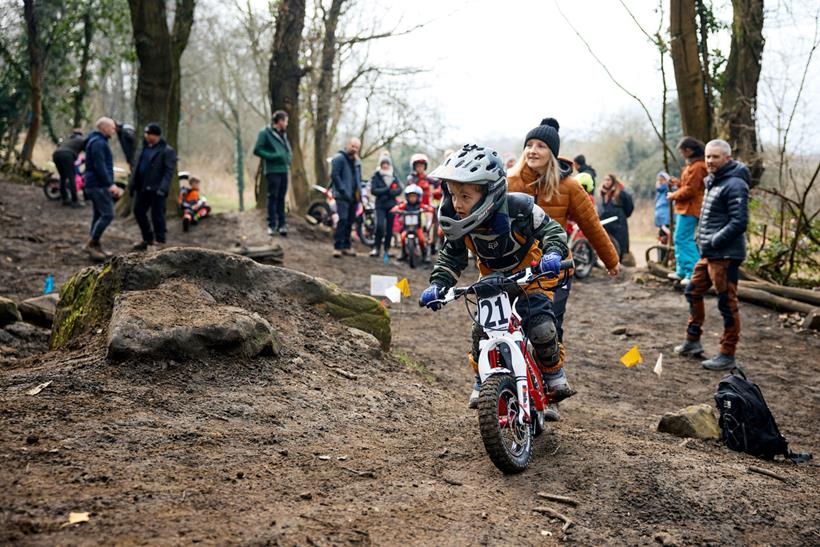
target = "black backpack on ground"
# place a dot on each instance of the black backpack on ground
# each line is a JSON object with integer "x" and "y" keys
{"x": 746, "y": 423}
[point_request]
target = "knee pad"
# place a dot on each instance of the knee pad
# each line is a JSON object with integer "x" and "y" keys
{"x": 544, "y": 338}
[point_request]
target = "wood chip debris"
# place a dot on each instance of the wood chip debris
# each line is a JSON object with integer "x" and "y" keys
{"x": 560, "y": 499}
{"x": 555, "y": 514}
{"x": 38, "y": 389}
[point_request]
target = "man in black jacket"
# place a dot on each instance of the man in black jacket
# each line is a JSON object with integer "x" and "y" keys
{"x": 150, "y": 180}
{"x": 64, "y": 158}
{"x": 722, "y": 244}
{"x": 346, "y": 179}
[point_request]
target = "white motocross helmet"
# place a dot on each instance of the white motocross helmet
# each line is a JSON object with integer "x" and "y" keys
{"x": 477, "y": 165}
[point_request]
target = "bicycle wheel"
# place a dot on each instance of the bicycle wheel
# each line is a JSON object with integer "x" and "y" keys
{"x": 508, "y": 443}
{"x": 584, "y": 258}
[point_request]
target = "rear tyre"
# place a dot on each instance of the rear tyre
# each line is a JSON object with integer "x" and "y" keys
{"x": 584, "y": 258}
{"x": 51, "y": 188}
{"x": 366, "y": 229}
{"x": 320, "y": 213}
{"x": 508, "y": 443}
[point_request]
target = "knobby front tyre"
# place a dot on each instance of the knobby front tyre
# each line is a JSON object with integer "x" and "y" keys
{"x": 508, "y": 443}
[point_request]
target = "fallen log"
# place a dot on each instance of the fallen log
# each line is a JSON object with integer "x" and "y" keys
{"x": 759, "y": 293}
{"x": 267, "y": 254}
{"x": 803, "y": 295}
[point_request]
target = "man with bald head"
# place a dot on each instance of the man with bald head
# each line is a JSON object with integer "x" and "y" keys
{"x": 722, "y": 242}
{"x": 346, "y": 179}
{"x": 99, "y": 185}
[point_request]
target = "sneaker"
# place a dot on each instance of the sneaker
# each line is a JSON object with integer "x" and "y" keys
{"x": 673, "y": 276}
{"x": 551, "y": 414}
{"x": 141, "y": 246}
{"x": 689, "y": 349}
{"x": 720, "y": 362}
{"x": 283, "y": 231}
{"x": 107, "y": 254}
{"x": 337, "y": 253}
{"x": 349, "y": 252}
{"x": 473, "y": 403}
{"x": 374, "y": 252}
{"x": 77, "y": 204}
{"x": 271, "y": 231}
{"x": 684, "y": 282}
{"x": 159, "y": 245}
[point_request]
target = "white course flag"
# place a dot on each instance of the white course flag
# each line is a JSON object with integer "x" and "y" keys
{"x": 380, "y": 283}
{"x": 658, "y": 366}
{"x": 393, "y": 294}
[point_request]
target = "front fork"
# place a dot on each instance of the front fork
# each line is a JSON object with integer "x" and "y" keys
{"x": 495, "y": 356}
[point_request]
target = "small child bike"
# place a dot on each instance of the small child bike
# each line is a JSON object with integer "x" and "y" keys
{"x": 512, "y": 400}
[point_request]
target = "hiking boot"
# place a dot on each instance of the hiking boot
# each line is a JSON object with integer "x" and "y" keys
{"x": 141, "y": 246}
{"x": 283, "y": 231}
{"x": 349, "y": 252}
{"x": 94, "y": 251}
{"x": 551, "y": 414}
{"x": 337, "y": 253}
{"x": 689, "y": 349}
{"x": 473, "y": 403}
{"x": 107, "y": 254}
{"x": 720, "y": 362}
{"x": 271, "y": 231}
{"x": 374, "y": 252}
{"x": 558, "y": 388}
{"x": 159, "y": 245}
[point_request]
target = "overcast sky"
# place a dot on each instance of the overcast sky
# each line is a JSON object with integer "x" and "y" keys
{"x": 498, "y": 67}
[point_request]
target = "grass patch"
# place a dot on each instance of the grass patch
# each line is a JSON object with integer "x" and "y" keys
{"x": 415, "y": 367}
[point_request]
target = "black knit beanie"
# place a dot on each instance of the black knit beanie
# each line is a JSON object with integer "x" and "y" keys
{"x": 547, "y": 133}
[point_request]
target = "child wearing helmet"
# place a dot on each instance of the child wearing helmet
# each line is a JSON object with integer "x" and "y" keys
{"x": 412, "y": 204}
{"x": 431, "y": 191}
{"x": 506, "y": 232}
{"x": 193, "y": 205}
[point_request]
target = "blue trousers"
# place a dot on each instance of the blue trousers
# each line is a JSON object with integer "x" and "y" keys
{"x": 686, "y": 249}
{"x": 103, "y": 207}
{"x": 347, "y": 214}
{"x": 384, "y": 228}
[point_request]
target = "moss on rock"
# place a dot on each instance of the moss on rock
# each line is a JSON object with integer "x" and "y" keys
{"x": 86, "y": 302}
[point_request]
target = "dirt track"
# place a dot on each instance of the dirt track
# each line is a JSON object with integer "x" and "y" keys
{"x": 284, "y": 450}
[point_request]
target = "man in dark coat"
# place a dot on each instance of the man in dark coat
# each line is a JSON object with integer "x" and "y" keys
{"x": 722, "y": 243}
{"x": 273, "y": 147}
{"x": 149, "y": 184}
{"x": 99, "y": 185}
{"x": 65, "y": 158}
{"x": 346, "y": 179}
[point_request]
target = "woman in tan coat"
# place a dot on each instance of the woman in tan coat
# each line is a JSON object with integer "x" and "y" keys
{"x": 542, "y": 174}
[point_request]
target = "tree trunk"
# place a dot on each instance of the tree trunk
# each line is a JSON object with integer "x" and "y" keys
{"x": 82, "y": 82}
{"x": 158, "y": 76}
{"x": 35, "y": 66}
{"x": 324, "y": 91}
{"x": 284, "y": 75}
{"x": 696, "y": 116}
{"x": 738, "y": 105}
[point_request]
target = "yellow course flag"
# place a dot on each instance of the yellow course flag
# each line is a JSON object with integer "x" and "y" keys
{"x": 632, "y": 357}
{"x": 404, "y": 287}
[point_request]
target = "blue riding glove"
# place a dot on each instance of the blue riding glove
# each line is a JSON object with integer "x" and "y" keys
{"x": 551, "y": 264}
{"x": 430, "y": 295}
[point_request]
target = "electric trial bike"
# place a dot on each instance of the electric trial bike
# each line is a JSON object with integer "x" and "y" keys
{"x": 585, "y": 258}
{"x": 324, "y": 212}
{"x": 512, "y": 400}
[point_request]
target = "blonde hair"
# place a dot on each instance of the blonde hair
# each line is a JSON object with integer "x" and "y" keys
{"x": 546, "y": 184}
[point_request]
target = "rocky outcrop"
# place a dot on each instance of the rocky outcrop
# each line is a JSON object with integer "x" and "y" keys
{"x": 179, "y": 320}
{"x": 698, "y": 421}
{"x": 8, "y": 312}
{"x": 209, "y": 292}
{"x": 39, "y": 310}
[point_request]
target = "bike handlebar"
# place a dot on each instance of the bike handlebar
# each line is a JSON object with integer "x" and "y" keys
{"x": 522, "y": 278}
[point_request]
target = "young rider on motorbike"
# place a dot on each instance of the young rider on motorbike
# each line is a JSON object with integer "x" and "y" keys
{"x": 507, "y": 233}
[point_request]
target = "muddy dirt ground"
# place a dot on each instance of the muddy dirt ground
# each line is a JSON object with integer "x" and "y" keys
{"x": 286, "y": 451}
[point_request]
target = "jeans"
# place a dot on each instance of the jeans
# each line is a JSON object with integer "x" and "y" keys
{"x": 64, "y": 160}
{"x": 384, "y": 228}
{"x": 103, "y": 211}
{"x": 347, "y": 214}
{"x": 143, "y": 201}
{"x": 277, "y": 190}
{"x": 686, "y": 249}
